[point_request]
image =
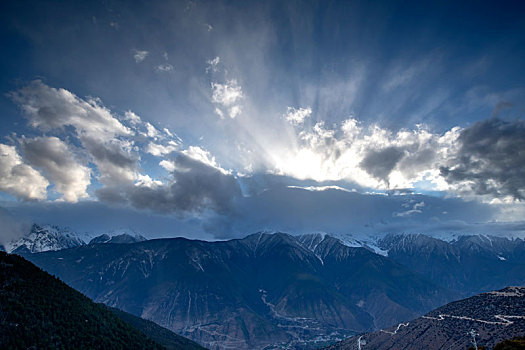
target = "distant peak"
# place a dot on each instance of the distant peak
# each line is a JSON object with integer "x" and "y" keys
{"x": 43, "y": 238}
{"x": 123, "y": 238}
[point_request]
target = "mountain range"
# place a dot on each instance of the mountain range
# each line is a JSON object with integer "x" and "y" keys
{"x": 281, "y": 291}
{"x": 265, "y": 289}
{"x": 42, "y": 238}
{"x": 467, "y": 265}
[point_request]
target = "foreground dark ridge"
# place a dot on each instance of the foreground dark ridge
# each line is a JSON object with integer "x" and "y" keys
{"x": 264, "y": 290}
{"x": 489, "y": 318}
{"x": 39, "y": 311}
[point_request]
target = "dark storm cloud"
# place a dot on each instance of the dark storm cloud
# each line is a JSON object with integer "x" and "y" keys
{"x": 195, "y": 187}
{"x": 111, "y": 153}
{"x": 379, "y": 163}
{"x": 491, "y": 159}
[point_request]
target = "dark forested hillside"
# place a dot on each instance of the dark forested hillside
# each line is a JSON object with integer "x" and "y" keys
{"x": 39, "y": 311}
{"x": 161, "y": 335}
{"x": 511, "y": 344}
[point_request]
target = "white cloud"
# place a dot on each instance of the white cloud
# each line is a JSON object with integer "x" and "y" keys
{"x": 417, "y": 208}
{"x": 48, "y": 108}
{"x": 297, "y": 116}
{"x": 372, "y": 157}
{"x": 161, "y": 150}
{"x": 98, "y": 130}
{"x": 146, "y": 181}
{"x": 152, "y": 131}
{"x": 227, "y": 96}
{"x": 321, "y": 188}
{"x": 168, "y": 165}
{"x": 203, "y": 156}
{"x": 59, "y": 164}
{"x": 219, "y": 113}
{"x": 132, "y": 117}
{"x": 235, "y": 111}
{"x": 200, "y": 154}
{"x": 20, "y": 179}
{"x": 165, "y": 67}
{"x": 140, "y": 55}
{"x": 213, "y": 64}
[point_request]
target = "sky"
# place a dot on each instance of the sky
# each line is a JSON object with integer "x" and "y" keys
{"x": 217, "y": 119}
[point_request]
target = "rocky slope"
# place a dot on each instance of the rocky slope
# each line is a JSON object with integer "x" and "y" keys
{"x": 468, "y": 264}
{"x": 486, "y": 318}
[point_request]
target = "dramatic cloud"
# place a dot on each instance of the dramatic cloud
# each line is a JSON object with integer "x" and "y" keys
{"x": 372, "y": 156}
{"x": 198, "y": 182}
{"x": 59, "y": 165}
{"x": 490, "y": 160}
{"x": 82, "y": 137}
{"x": 297, "y": 116}
{"x": 203, "y": 156}
{"x": 381, "y": 162}
{"x": 139, "y": 55}
{"x": 115, "y": 160}
{"x": 227, "y": 97}
{"x": 97, "y": 129}
{"x": 195, "y": 187}
{"x": 20, "y": 179}
{"x": 48, "y": 108}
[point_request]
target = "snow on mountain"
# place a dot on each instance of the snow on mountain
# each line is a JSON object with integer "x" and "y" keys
{"x": 382, "y": 243}
{"x": 121, "y": 235}
{"x": 310, "y": 241}
{"x": 119, "y": 238}
{"x": 43, "y": 238}
{"x": 464, "y": 244}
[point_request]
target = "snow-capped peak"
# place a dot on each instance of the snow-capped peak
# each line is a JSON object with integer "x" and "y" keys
{"x": 43, "y": 238}
{"x": 120, "y": 236}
